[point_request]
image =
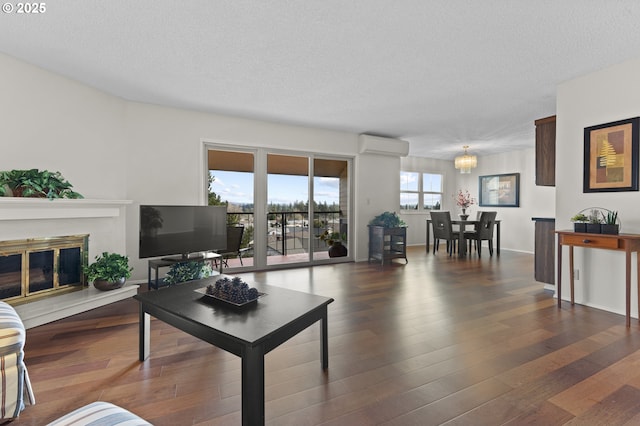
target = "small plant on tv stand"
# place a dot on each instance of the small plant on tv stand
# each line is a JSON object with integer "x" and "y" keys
{"x": 188, "y": 271}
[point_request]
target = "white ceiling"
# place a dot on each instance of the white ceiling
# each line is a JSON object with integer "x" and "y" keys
{"x": 439, "y": 74}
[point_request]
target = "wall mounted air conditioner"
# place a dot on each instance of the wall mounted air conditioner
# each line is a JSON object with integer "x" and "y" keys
{"x": 369, "y": 144}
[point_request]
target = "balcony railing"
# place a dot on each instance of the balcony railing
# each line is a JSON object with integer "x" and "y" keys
{"x": 291, "y": 232}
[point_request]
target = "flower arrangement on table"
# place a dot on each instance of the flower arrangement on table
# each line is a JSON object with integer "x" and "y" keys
{"x": 464, "y": 200}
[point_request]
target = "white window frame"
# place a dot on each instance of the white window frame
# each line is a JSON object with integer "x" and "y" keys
{"x": 421, "y": 192}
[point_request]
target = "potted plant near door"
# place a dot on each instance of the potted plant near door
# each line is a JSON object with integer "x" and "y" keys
{"x": 109, "y": 271}
{"x": 334, "y": 240}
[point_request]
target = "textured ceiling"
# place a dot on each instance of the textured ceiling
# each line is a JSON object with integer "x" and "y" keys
{"x": 439, "y": 74}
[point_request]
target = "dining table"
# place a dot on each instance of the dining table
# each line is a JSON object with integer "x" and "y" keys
{"x": 462, "y": 241}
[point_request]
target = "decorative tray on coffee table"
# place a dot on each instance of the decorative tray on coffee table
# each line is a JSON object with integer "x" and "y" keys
{"x": 232, "y": 291}
{"x": 203, "y": 291}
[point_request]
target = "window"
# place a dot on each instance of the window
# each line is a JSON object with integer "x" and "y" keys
{"x": 431, "y": 191}
{"x": 409, "y": 190}
{"x": 420, "y": 191}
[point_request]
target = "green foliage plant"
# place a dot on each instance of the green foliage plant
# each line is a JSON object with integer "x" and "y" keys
{"x": 330, "y": 237}
{"x": 580, "y": 217}
{"x": 318, "y": 223}
{"x": 611, "y": 218}
{"x": 36, "y": 184}
{"x": 594, "y": 217}
{"x": 109, "y": 267}
{"x": 187, "y": 271}
{"x": 388, "y": 220}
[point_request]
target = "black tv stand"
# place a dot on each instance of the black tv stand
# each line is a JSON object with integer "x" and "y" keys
{"x": 171, "y": 260}
{"x": 191, "y": 257}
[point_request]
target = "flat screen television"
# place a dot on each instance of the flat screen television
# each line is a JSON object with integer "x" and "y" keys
{"x": 181, "y": 231}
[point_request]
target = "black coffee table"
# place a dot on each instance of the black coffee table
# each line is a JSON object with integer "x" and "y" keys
{"x": 249, "y": 332}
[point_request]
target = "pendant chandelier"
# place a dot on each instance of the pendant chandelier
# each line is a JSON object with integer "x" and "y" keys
{"x": 466, "y": 162}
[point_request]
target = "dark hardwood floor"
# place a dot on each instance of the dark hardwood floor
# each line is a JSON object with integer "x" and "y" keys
{"x": 437, "y": 341}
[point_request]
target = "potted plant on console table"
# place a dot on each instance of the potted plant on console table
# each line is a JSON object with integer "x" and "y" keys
{"x": 580, "y": 222}
{"x": 109, "y": 271}
{"x": 593, "y": 226}
{"x": 610, "y": 225}
{"x": 598, "y": 221}
{"x": 387, "y": 238}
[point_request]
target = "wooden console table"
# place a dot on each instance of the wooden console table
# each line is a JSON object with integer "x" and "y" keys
{"x": 628, "y": 243}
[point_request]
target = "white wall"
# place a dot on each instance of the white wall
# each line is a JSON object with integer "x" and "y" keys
{"x": 377, "y": 190}
{"x": 165, "y": 156}
{"x": 609, "y": 95}
{"x": 417, "y": 222}
{"x": 50, "y": 122}
{"x": 109, "y": 148}
{"x": 517, "y": 228}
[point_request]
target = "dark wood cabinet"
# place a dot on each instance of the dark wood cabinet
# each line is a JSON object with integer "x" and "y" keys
{"x": 546, "y": 151}
{"x": 544, "y": 256}
{"x": 386, "y": 244}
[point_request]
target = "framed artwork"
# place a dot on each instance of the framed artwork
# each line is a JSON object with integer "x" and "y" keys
{"x": 611, "y": 156}
{"x": 500, "y": 190}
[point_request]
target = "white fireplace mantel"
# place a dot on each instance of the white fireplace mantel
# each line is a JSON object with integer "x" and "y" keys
{"x": 17, "y": 208}
{"x": 103, "y": 220}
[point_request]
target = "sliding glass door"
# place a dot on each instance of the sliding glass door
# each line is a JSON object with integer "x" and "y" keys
{"x": 231, "y": 179}
{"x": 330, "y": 208}
{"x": 288, "y": 209}
{"x": 294, "y": 207}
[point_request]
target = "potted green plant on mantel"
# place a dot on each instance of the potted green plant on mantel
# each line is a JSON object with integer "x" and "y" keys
{"x": 34, "y": 183}
{"x": 109, "y": 271}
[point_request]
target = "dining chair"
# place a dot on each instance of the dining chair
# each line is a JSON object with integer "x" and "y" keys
{"x": 443, "y": 230}
{"x": 483, "y": 231}
{"x": 475, "y": 228}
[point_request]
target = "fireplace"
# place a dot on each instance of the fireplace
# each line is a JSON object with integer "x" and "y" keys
{"x": 103, "y": 220}
{"x": 37, "y": 267}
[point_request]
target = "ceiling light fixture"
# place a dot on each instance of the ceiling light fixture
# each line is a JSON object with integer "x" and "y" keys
{"x": 466, "y": 162}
